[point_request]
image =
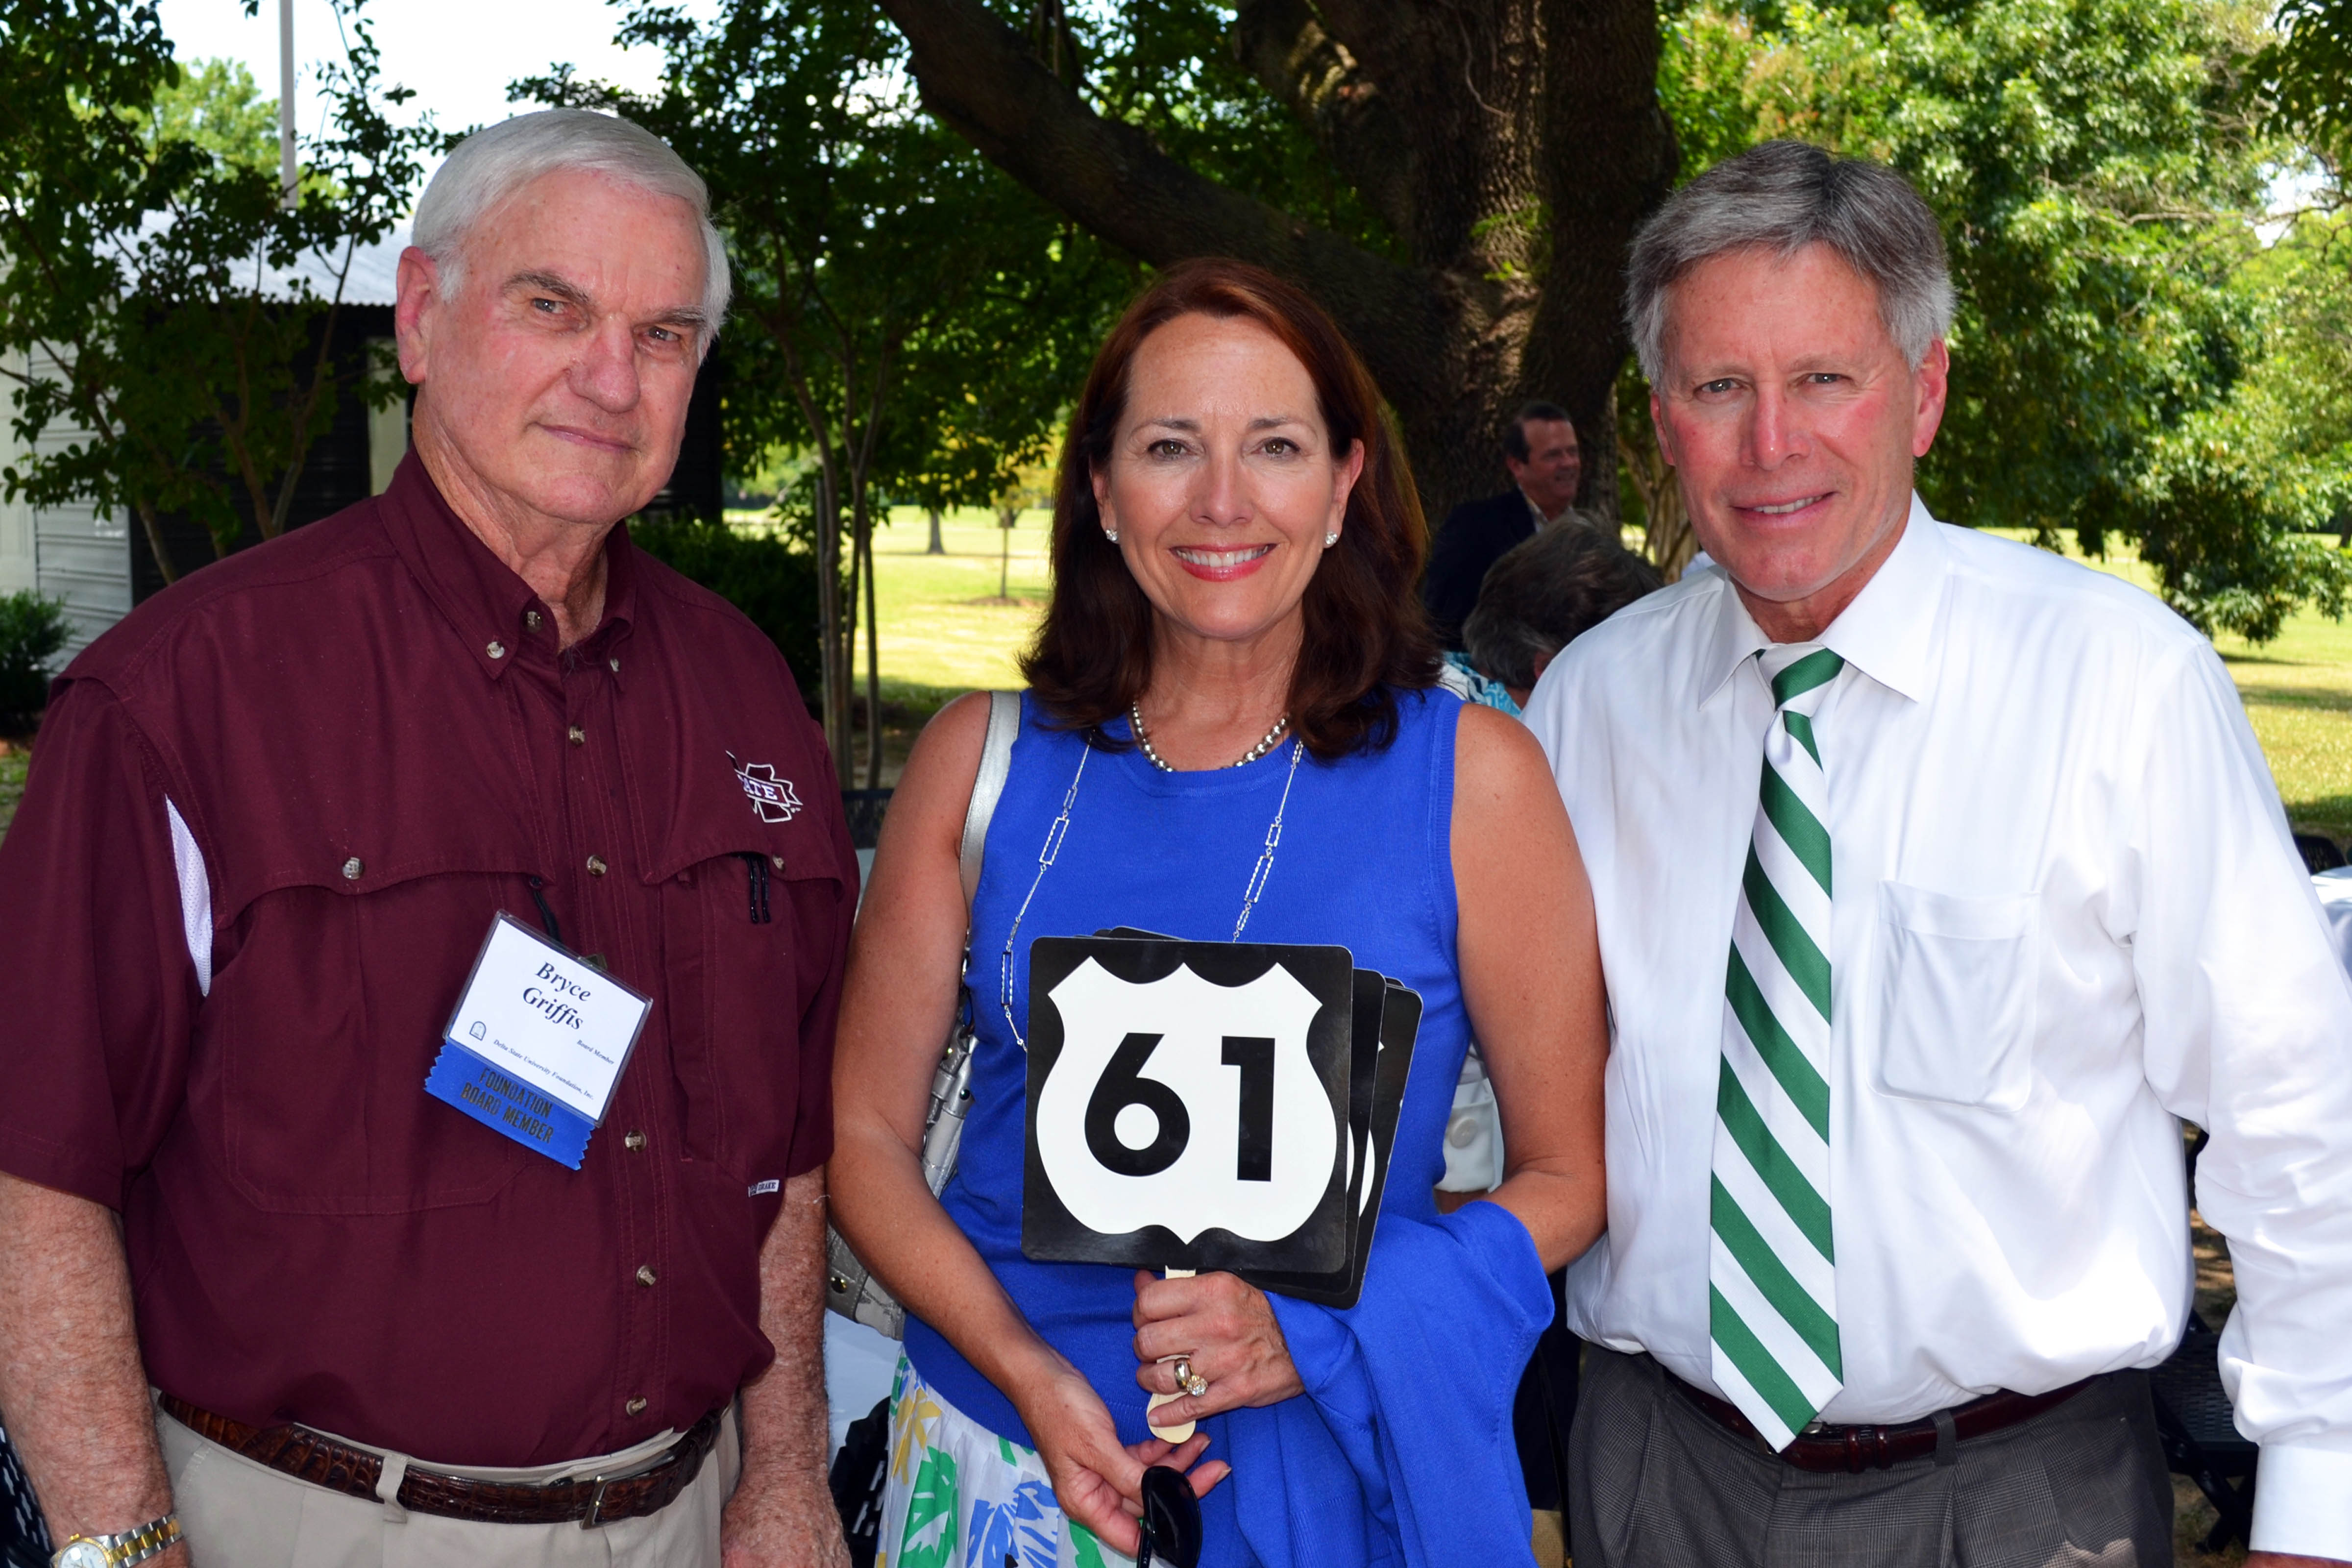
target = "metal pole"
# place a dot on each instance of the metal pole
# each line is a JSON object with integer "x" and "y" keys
{"x": 287, "y": 183}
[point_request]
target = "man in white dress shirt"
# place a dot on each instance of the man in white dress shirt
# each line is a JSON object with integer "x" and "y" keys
{"x": 1937, "y": 878}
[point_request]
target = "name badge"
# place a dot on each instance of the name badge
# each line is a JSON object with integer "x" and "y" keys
{"x": 537, "y": 1043}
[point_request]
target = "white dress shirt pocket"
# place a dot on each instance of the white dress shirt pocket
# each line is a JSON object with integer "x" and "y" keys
{"x": 1957, "y": 981}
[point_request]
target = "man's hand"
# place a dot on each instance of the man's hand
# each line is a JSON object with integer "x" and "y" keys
{"x": 781, "y": 1515}
{"x": 70, "y": 1377}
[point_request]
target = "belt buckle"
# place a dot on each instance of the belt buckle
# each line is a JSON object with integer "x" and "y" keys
{"x": 593, "y": 1519}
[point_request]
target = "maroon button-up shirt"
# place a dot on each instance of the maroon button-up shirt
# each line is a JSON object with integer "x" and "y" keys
{"x": 270, "y": 818}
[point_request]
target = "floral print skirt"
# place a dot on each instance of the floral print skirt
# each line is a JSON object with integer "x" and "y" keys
{"x": 959, "y": 1496}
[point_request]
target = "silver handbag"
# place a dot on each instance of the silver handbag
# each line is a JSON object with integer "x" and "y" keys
{"x": 848, "y": 1289}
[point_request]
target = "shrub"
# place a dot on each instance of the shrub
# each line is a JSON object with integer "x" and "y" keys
{"x": 760, "y": 573}
{"x": 33, "y": 632}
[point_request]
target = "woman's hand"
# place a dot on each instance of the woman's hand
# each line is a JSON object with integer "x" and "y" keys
{"x": 1228, "y": 1331}
{"x": 1098, "y": 1482}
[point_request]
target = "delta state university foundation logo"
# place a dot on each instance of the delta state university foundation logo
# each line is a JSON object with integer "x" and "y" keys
{"x": 771, "y": 796}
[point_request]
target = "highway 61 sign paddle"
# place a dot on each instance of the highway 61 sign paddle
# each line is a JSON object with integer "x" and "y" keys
{"x": 1188, "y": 1105}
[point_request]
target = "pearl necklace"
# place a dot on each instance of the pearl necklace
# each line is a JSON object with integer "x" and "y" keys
{"x": 1135, "y": 716}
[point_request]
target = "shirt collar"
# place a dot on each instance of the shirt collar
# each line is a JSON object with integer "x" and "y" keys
{"x": 488, "y": 605}
{"x": 1886, "y": 632}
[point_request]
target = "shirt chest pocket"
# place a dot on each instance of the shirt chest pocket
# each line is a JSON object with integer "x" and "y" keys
{"x": 735, "y": 945}
{"x": 315, "y": 1043}
{"x": 1955, "y": 995}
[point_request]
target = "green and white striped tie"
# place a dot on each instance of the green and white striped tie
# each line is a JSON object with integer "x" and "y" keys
{"x": 1771, "y": 1275}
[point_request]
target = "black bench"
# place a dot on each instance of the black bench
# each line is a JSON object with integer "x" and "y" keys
{"x": 2201, "y": 1439}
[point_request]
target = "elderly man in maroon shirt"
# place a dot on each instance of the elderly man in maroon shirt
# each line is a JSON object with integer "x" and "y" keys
{"x": 274, "y": 817}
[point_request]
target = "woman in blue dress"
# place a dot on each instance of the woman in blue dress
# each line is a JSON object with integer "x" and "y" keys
{"x": 1230, "y": 723}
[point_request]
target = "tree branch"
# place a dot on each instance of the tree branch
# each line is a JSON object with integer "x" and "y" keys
{"x": 1285, "y": 46}
{"x": 980, "y": 76}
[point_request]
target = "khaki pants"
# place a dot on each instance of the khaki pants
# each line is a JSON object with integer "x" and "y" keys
{"x": 239, "y": 1514}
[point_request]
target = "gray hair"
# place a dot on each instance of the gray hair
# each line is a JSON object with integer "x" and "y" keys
{"x": 1780, "y": 197}
{"x": 492, "y": 164}
{"x": 1544, "y": 592}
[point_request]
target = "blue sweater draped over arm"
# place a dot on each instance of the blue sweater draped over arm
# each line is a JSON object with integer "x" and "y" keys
{"x": 1401, "y": 1451}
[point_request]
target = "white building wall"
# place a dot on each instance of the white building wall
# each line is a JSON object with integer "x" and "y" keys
{"x": 387, "y": 426}
{"x": 17, "y": 568}
{"x": 73, "y": 552}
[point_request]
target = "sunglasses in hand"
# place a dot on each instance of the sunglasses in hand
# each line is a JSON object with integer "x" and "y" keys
{"x": 1171, "y": 1520}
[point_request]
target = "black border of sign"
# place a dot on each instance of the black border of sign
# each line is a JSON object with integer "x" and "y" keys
{"x": 1051, "y": 1234}
{"x": 1399, "y": 1029}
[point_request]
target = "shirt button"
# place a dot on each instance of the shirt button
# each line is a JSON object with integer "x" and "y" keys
{"x": 777, "y": 860}
{"x": 633, "y": 1141}
{"x": 578, "y": 736}
{"x": 596, "y": 867}
{"x": 645, "y": 1273}
{"x": 634, "y": 1407}
{"x": 497, "y": 649}
{"x": 615, "y": 664}
{"x": 532, "y": 620}
{"x": 353, "y": 868}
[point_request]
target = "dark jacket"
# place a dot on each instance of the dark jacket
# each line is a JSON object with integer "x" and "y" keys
{"x": 1474, "y": 536}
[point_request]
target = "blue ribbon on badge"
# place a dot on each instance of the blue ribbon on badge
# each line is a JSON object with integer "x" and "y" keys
{"x": 504, "y": 1103}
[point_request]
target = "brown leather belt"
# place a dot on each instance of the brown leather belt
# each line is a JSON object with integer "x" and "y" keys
{"x": 1854, "y": 1449}
{"x": 590, "y": 1502}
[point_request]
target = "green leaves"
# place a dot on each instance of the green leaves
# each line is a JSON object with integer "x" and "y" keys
{"x": 33, "y": 632}
{"x": 2309, "y": 73}
{"x": 159, "y": 288}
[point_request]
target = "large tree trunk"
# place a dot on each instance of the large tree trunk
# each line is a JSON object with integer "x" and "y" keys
{"x": 1512, "y": 146}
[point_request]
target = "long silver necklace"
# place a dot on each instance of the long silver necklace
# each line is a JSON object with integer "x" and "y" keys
{"x": 1265, "y": 745}
{"x": 1052, "y": 847}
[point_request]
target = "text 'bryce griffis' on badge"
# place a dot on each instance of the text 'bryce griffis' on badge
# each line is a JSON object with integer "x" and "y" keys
{"x": 1189, "y": 1104}
{"x": 537, "y": 1043}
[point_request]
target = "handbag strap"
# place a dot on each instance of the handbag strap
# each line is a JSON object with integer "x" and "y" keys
{"x": 987, "y": 785}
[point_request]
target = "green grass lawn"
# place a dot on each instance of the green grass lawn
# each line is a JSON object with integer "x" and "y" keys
{"x": 956, "y": 621}
{"x": 945, "y": 622}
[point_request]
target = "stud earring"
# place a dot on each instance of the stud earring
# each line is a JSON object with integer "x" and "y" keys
{"x": 1330, "y": 540}
{"x": 1111, "y": 534}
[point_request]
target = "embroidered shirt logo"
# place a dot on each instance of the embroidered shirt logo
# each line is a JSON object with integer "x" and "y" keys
{"x": 771, "y": 796}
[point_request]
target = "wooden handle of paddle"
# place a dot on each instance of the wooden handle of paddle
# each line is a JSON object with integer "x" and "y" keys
{"x": 1179, "y": 1433}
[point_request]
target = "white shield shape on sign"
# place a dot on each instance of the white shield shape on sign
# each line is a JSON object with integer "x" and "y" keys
{"x": 1186, "y": 1105}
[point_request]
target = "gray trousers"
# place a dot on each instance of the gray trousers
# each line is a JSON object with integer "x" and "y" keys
{"x": 1655, "y": 1483}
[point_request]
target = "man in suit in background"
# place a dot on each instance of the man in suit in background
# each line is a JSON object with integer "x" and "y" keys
{"x": 1540, "y": 449}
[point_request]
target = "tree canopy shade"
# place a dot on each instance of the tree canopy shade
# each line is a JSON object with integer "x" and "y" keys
{"x": 148, "y": 265}
{"x": 1456, "y": 183}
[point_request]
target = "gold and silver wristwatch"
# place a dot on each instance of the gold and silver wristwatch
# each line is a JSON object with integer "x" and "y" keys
{"x": 119, "y": 1550}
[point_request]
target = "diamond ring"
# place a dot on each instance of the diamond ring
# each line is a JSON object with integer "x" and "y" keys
{"x": 1187, "y": 1380}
